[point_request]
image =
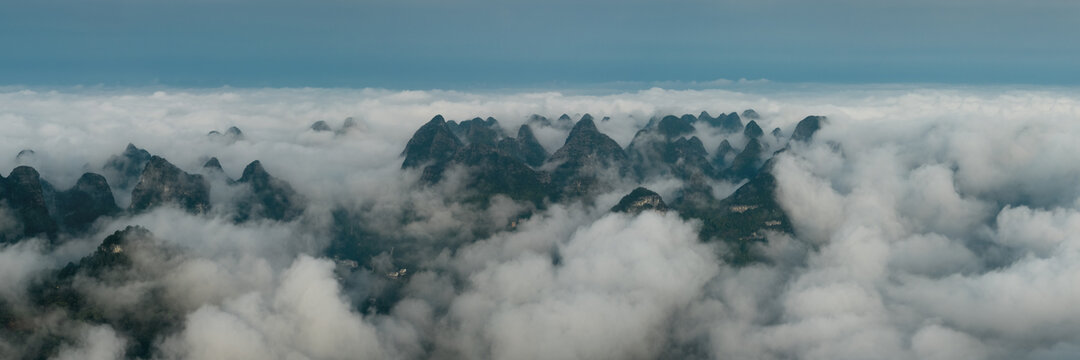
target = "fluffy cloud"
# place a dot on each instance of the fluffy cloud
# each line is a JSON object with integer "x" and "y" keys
{"x": 929, "y": 223}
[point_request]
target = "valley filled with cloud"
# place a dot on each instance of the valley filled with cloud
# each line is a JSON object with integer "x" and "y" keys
{"x": 847, "y": 222}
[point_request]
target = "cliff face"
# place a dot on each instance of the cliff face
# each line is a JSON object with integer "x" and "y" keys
{"x": 163, "y": 183}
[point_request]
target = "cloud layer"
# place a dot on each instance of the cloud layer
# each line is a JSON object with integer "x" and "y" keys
{"x": 930, "y": 223}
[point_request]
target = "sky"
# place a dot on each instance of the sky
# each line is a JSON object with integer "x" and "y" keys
{"x": 477, "y": 44}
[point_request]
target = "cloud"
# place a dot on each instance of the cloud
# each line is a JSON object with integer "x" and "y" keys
{"x": 929, "y": 223}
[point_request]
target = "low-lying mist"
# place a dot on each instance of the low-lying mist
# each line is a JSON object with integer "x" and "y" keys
{"x": 926, "y": 223}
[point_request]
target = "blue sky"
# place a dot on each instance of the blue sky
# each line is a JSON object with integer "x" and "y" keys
{"x": 519, "y": 43}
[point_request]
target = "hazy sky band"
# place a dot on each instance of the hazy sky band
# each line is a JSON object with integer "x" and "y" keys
{"x": 480, "y": 43}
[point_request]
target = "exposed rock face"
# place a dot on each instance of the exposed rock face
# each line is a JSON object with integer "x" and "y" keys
{"x": 689, "y": 159}
{"x": 673, "y": 127}
{"x": 740, "y": 220}
{"x": 689, "y": 119}
{"x": 806, "y": 128}
{"x": 747, "y": 162}
{"x": 215, "y": 173}
{"x": 564, "y": 122}
{"x": 729, "y": 123}
{"x": 705, "y": 117}
{"x": 524, "y": 147}
{"x": 162, "y": 182}
{"x": 213, "y": 165}
{"x": 750, "y": 114}
{"x": 22, "y": 193}
{"x": 532, "y": 152}
{"x": 84, "y": 203}
{"x": 494, "y": 172}
{"x": 720, "y": 160}
{"x": 270, "y": 197}
{"x": 477, "y": 131}
{"x": 320, "y": 126}
{"x": 347, "y": 125}
{"x": 585, "y": 154}
{"x": 231, "y": 135}
{"x": 123, "y": 170}
{"x": 752, "y": 130}
{"x": 118, "y": 261}
{"x": 433, "y": 142}
{"x": 538, "y": 120}
{"x": 234, "y": 132}
{"x": 639, "y": 200}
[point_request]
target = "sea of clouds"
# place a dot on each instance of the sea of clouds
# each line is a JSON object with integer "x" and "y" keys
{"x": 930, "y": 223}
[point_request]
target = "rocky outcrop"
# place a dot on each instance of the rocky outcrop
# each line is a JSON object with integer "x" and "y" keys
{"x": 90, "y": 198}
{"x": 673, "y": 127}
{"x": 24, "y": 197}
{"x": 752, "y": 130}
{"x": 123, "y": 170}
{"x": 433, "y": 142}
{"x": 320, "y": 126}
{"x": 641, "y": 199}
{"x": 163, "y": 183}
{"x": 586, "y": 153}
{"x": 806, "y": 128}
{"x": 267, "y": 196}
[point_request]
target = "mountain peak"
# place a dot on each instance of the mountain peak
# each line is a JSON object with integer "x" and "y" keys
{"x": 213, "y": 164}
{"x": 672, "y": 127}
{"x": 641, "y": 199}
{"x": 752, "y": 130}
{"x": 806, "y": 128}
{"x": 751, "y": 114}
{"x": 432, "y": 142}
{"x": 162, "y": 182}
{"x": 320, "y": 126}
{"x": 253, "y": 172}
{"x": 585, "y": 126}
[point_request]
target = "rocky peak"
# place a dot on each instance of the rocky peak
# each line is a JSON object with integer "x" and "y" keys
{"x": 254, "y": 173}
{"x": 746, "y": 163}
{"x": 751, "y": 114}
{"x": 23, "y": 192}
{"x": 721, "y": 154}
{"x": 90, "y": 199}
{"x": 162, "y": 182}
{"x": 673, "y": 127}
{"x": 532, "y": 152}
{"x": 123, "y": 170}
{"x": 234, "y": 133}
{"x": 705, "y": 117}
{"x": 213, "y": 165}
{"x": 585, "y": 152}
{"x": 320, "y": 126}
{"x": 270, "y": 197}
{"x": 432, "y": 142}
{"x": 641, "y": 199}
{"x": 806, "y": 128}
{"x": 752, "y": 130}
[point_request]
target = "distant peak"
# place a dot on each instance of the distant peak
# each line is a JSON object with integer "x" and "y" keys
{"x": 254, "y": 169}
{"x": 583, "y": 126}
{"x": 751, "y": 114}
{"x": 752, "y": 130}
{"x": 213, "y": 163}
